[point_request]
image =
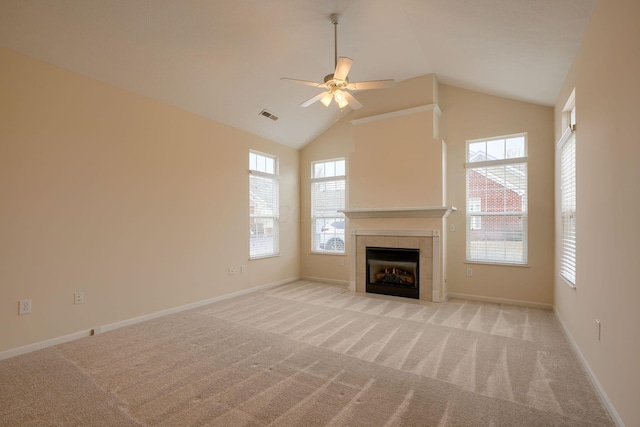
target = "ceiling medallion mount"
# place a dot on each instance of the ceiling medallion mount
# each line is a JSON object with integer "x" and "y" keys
{"x": 337, "y": 83}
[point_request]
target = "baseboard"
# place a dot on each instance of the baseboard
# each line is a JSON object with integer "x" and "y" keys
{"x": 6, "y": 354}
{"x": 592, "y": 376}
{"x": 12, "y": 352}
{"x": 123, "y": 323}
{"x": 500, "y": 300}
{"x": 323, "y": 280}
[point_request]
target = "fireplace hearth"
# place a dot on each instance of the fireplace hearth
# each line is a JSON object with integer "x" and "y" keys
{"x": 393, "y": 271}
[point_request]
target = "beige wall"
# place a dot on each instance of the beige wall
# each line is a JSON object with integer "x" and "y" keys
{"x": 468, "y": 115}
{"x": 605, "y": 77}
{"x": 396, "y": 163}
{"x": 139, "y": 204}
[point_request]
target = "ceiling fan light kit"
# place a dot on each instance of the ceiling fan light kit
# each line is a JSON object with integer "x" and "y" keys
{"x": 337, "y": 84}
{"x": 326, "y": 98}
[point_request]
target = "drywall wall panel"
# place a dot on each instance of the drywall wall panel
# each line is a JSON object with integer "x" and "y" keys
{"x": 605, "y": 77}
{"x": 140, "y": 205}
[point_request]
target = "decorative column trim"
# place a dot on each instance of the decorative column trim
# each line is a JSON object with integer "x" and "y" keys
{"x": 435, "y": 282}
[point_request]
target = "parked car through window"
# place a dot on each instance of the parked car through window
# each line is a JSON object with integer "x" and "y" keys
{"x": 332, "y": 236}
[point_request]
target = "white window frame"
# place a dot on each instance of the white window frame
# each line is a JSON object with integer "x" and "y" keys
{"x": 475, "y": 205}
{"x": 568, "y": 197}
{"x": 323, "y": 215}
{"x": 264, "y": 178}
{"x": 492, "y": 257}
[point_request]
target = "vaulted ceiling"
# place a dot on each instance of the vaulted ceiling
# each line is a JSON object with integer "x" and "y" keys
{"x": 223, "y": 59}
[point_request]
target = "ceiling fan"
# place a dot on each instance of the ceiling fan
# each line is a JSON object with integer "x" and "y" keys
{"x": 337, "y": 84}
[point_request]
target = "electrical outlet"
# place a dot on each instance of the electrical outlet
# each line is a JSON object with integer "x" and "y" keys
{"x": 78, "y": 297}
{"x": 342, "y": 262}
{"x": 243, "y": 269}
{"x": 452, "y": 227}
{"x": 25, "y": 306}
{"x": 469, "y": 272}
{"x": 232, "y": 271}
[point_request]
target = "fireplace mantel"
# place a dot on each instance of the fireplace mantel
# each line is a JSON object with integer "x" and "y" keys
{"x": 423, "y": 212}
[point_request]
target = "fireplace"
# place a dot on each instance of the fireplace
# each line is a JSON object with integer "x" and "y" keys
{"x": 426, "y": 242}
{"x": 393, "y": 271}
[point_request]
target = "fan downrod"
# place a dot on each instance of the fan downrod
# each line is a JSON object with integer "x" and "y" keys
{"x": 334, "y": 21}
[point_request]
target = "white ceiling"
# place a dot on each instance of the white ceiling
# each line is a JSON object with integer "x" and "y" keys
{"x": 223, "y": 59}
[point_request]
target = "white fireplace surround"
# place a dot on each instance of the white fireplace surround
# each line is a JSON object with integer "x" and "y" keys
{"x": 435, "y": 238}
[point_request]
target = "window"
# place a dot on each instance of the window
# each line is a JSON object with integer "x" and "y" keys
{"x": 496, "y": 200}
{"x": 263, "y": 205}
{"x": 567, "y": 152}
{"x": 327, "y": 197}
{"x": 475, "y": 205}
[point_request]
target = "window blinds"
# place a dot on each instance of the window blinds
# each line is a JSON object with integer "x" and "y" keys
{"x": 568, "y": 207}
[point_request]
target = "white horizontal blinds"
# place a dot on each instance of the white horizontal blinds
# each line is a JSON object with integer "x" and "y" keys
{"x": 496, "y": 200}
{"x": 568, "y": 207}
{"x": 264, "y": 205}
{"x": 327, "y": 198}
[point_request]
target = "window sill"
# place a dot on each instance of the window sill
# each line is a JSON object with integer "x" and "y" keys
{"x": 499, "y": 264}
{"x": 264, "y": 256}
{"x": 328, "y": 253}
{"x": 568, "y": 283}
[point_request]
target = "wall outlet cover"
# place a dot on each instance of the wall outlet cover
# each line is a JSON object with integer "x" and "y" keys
{"x": 78, "y": 298}
{"x": 25, "y": 306}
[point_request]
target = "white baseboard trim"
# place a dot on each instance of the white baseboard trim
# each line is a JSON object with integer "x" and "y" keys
{"x": 592, "y": 376}
{"x": 323, "y": 280}
{"x": 6, "y": 354}
{"x": 500, "y": 300}
{"x": 123, "y": 323}
{"x": 12, "y": 352}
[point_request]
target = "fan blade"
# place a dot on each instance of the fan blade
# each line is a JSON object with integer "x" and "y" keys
{"x": 342, "y": 68}
{"x": 304, "y": 82}
{"x": 312, "y": 100}
{"x": 353, "y": 102}
{"x": 374, "y": 84}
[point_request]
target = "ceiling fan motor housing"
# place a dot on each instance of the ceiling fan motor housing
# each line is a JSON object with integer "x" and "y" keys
{"x": 334, "y": 84}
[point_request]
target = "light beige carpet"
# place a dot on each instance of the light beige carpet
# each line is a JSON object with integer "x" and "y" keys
{"x": 307, "y": 354}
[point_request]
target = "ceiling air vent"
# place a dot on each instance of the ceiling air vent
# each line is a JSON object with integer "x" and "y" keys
{"x": 269, "y": 115}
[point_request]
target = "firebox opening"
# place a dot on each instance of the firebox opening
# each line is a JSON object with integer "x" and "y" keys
{"x": 393, "y": 271}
